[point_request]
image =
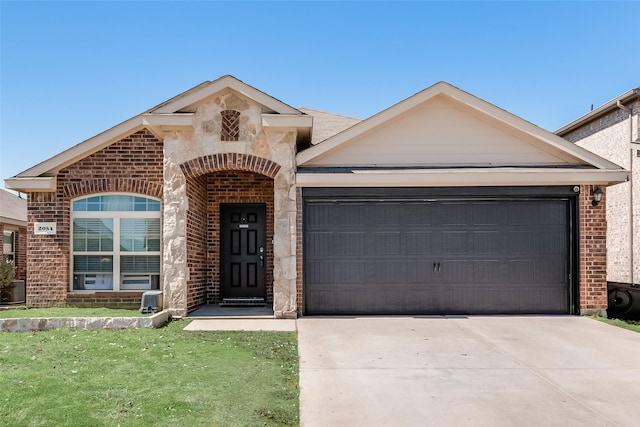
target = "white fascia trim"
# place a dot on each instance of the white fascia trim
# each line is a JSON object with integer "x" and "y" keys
{"x": 221, "y": 84}
{"x": 461, "y": 178}
{"x": 32, "y": 184}
{"x": 286, "y": 121}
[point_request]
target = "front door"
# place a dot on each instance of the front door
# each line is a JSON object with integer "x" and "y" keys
{"x": 243, "y": 250}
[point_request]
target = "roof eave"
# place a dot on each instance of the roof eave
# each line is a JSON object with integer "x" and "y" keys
{"x": 463, "y": 177}
{"x": 600, "y": 111}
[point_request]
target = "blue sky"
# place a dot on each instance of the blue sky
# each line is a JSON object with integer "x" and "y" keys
{"x": 70, "y": 70}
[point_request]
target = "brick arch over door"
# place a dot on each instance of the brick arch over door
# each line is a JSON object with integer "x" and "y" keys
{"x": 230, "y": 161}
{"x": 113, "y": 185}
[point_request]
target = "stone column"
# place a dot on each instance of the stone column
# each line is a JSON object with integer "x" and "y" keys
{"x": 174, "y": 238}
{"x": 284, "y": 245}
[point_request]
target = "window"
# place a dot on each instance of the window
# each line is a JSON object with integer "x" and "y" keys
{"x": 230, "y": 125}
{"x": 9, "y": 246}
{"x": 116, "y": 241}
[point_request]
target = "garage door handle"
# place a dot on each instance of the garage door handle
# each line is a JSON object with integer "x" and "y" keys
{"x": 436, "y": 267}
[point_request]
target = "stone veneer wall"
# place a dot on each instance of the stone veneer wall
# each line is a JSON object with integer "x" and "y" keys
{"x": 608, "y": 136}
{"x": 200, "y": 151}
{"x": 593, "y": 252}
{"x": 131, "y": 165}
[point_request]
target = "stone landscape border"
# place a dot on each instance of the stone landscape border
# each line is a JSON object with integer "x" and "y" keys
{"x": 45, "y": 323}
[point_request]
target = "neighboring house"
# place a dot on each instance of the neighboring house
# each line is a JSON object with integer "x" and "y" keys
{"x": 13, "y": 226}
{"x": 442, "y": 203}
{"x": 611, "y": 131}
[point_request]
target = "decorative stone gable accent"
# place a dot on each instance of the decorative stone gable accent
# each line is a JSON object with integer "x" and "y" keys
{"x": 230, "y": 125}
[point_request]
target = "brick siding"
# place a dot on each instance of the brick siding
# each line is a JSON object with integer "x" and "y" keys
{"x": 593, "y": 252}
{"x": 299, "y": 252}
{"x": 131, "y": 165}
{"x": 235, "y": 187}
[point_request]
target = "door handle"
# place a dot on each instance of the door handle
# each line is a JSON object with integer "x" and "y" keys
{"x": 437, "y": 267}
{"x": 261, "y": 250}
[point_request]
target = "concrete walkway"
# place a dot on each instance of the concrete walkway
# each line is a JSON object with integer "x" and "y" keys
{"x": 477, "y": 371}
{"x": 247, "y": 324}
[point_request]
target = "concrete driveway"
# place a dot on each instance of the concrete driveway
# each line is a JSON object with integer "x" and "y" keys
{"x": 476, "y": 371}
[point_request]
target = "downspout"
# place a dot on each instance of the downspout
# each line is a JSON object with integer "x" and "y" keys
{"x": 631, "y": 234}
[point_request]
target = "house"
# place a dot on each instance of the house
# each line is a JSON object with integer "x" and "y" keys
{"x": 611, "y": 131}
{"x": 442, "y": 203}
{"x": 13, "y": 226}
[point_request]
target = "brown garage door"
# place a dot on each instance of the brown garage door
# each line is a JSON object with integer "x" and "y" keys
{"x": 436, "y": 256}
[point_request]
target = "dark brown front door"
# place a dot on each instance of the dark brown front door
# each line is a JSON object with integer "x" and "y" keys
{"x": 243, "y": 250}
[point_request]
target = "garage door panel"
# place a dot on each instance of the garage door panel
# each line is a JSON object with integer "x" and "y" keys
{"x": 500, "y": 300}
{"x": 455, "y": 242}
{"x": 419, "y": 242}
{"x": 386, "y": 214}
{"x": 387, "y": 243}
{"x": 488, "y": 242}
{"x": 321, "y": 272}
{"x": 490, "y": 271}
{"x": 420, "y": 214}
{"x": 436, "y": 257}
{"x": 454, "y": 214}
{"x": 553, "y": 242}
{"x": 321, "y": 244}
{"x": 418, "y": 271}
{"x": 350, "y": 243}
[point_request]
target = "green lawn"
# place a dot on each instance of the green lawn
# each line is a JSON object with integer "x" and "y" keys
{"x": 632, "y": 325}
{"x": 148, "y": 377}
{"x": 69, "y": 312}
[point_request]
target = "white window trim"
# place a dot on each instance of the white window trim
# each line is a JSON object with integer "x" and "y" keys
{"x": 116, "y": 252}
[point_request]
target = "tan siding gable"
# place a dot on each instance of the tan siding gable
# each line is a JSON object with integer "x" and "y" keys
{"x": 443, "y": 132}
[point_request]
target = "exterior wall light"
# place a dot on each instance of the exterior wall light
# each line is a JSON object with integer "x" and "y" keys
{"x": 597, "y": 196}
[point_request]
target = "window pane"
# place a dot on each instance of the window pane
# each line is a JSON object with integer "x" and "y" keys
{"x": 7, "y": 242}
{"x": 116, "y": 203}
{"x": 92, "y": 264}
{"x": 93, "y": 234}
{"x": 140, "y": 234}
{"x": 80, "y": 205}
{"x": 140, "y": 264}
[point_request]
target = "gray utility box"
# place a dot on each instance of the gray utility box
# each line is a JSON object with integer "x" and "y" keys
{"x": 151, "y": 302}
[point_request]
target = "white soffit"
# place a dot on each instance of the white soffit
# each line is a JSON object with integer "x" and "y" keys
{"x": 532, "y": 141}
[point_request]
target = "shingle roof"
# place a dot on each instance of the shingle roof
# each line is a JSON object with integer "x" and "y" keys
{"x": 326, "y": 125}
{"x": 13, "y": 209}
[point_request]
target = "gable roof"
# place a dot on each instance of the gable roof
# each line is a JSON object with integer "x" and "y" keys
{"x": 485, "y": 109}
{"x": 13, "y": 209}
{"x": 418, "y": 141}
{"x": 175, "y": 113}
